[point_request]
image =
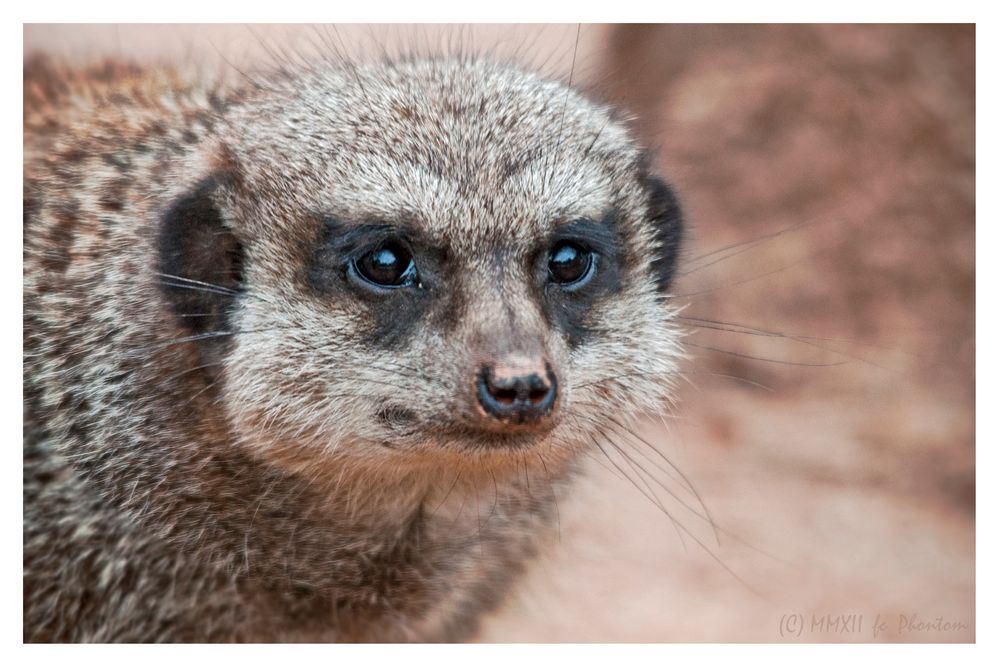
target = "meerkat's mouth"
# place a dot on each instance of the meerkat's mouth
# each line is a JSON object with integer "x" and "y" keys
{"x": 408, "y": 426}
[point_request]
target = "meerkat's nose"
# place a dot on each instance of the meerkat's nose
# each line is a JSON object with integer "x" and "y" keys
{"x": 516, "y": 393}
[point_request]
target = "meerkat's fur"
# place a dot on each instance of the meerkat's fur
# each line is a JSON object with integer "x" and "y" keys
{"x": 227, "y": 440}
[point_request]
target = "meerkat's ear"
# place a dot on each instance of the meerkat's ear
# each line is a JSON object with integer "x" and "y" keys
{"x": 667, "y": 220}
{"x": 200, "y": 259}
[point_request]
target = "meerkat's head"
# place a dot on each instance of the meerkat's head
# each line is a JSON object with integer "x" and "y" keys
{"x": 448, "y": 262}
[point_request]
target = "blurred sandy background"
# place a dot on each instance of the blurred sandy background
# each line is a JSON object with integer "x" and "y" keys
{"x": 828, "y": 179}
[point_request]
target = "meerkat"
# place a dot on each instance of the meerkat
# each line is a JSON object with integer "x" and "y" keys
{"x": 312, "y": 358}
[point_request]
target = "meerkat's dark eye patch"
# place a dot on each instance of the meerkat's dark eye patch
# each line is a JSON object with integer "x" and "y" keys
{"x": 392, "y": 270}
{"x": 582, "y": 265}
{"x": 597, "y": 236}
{"x": 372, "y": 257}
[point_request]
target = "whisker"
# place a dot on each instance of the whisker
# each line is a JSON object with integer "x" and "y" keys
{"x": 744, "y": 281}
{"x": 773, "y": 361}
{"x": 565, "y": 104}
{"x": 206, "y": 336}
{"x": 737, "y": 378}
{"x": 198, "y": 282}
{"x": 635, "y": 468}
{"x": 731, "y": 327}
{"x": 794, "y": 336}
{"x": 743, "y": 246}
{"x": 706, "y": 516}
{"x": 446, "y": 495}
{"x": 652, "y": 498}
{"x": 689, "y": 486}
{"x": 350, "y": 64}
{"x": 551, "y": 486}
{"x": 685, "y": 480}
{"x": 715, "y": 557}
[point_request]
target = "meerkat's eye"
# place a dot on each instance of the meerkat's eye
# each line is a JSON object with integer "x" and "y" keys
{"x": 389, "y": 265}
{"x": 570, "y": 264}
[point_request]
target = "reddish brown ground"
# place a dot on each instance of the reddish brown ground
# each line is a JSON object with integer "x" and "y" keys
{"x": 857, "y": 479}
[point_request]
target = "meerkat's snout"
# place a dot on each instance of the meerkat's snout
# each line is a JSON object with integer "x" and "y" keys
{"x": 512, "y": 383}
{"x": 519, "y": 393}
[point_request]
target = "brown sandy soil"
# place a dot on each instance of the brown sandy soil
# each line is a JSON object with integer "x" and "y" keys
{"x": 843, "y": 491}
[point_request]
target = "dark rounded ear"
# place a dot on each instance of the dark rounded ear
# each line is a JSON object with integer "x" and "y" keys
{"x": 667, "y": 220}
{"x": 200, "y": 260}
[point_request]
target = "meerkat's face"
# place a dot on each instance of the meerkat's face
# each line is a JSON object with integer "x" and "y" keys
{"x": 441, "y": 261}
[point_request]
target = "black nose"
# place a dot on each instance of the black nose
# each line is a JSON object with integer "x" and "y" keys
{"x": 514, "y": 395}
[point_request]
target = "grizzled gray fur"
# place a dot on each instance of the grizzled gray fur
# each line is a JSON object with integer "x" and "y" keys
{"x": 313, "y": 357}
